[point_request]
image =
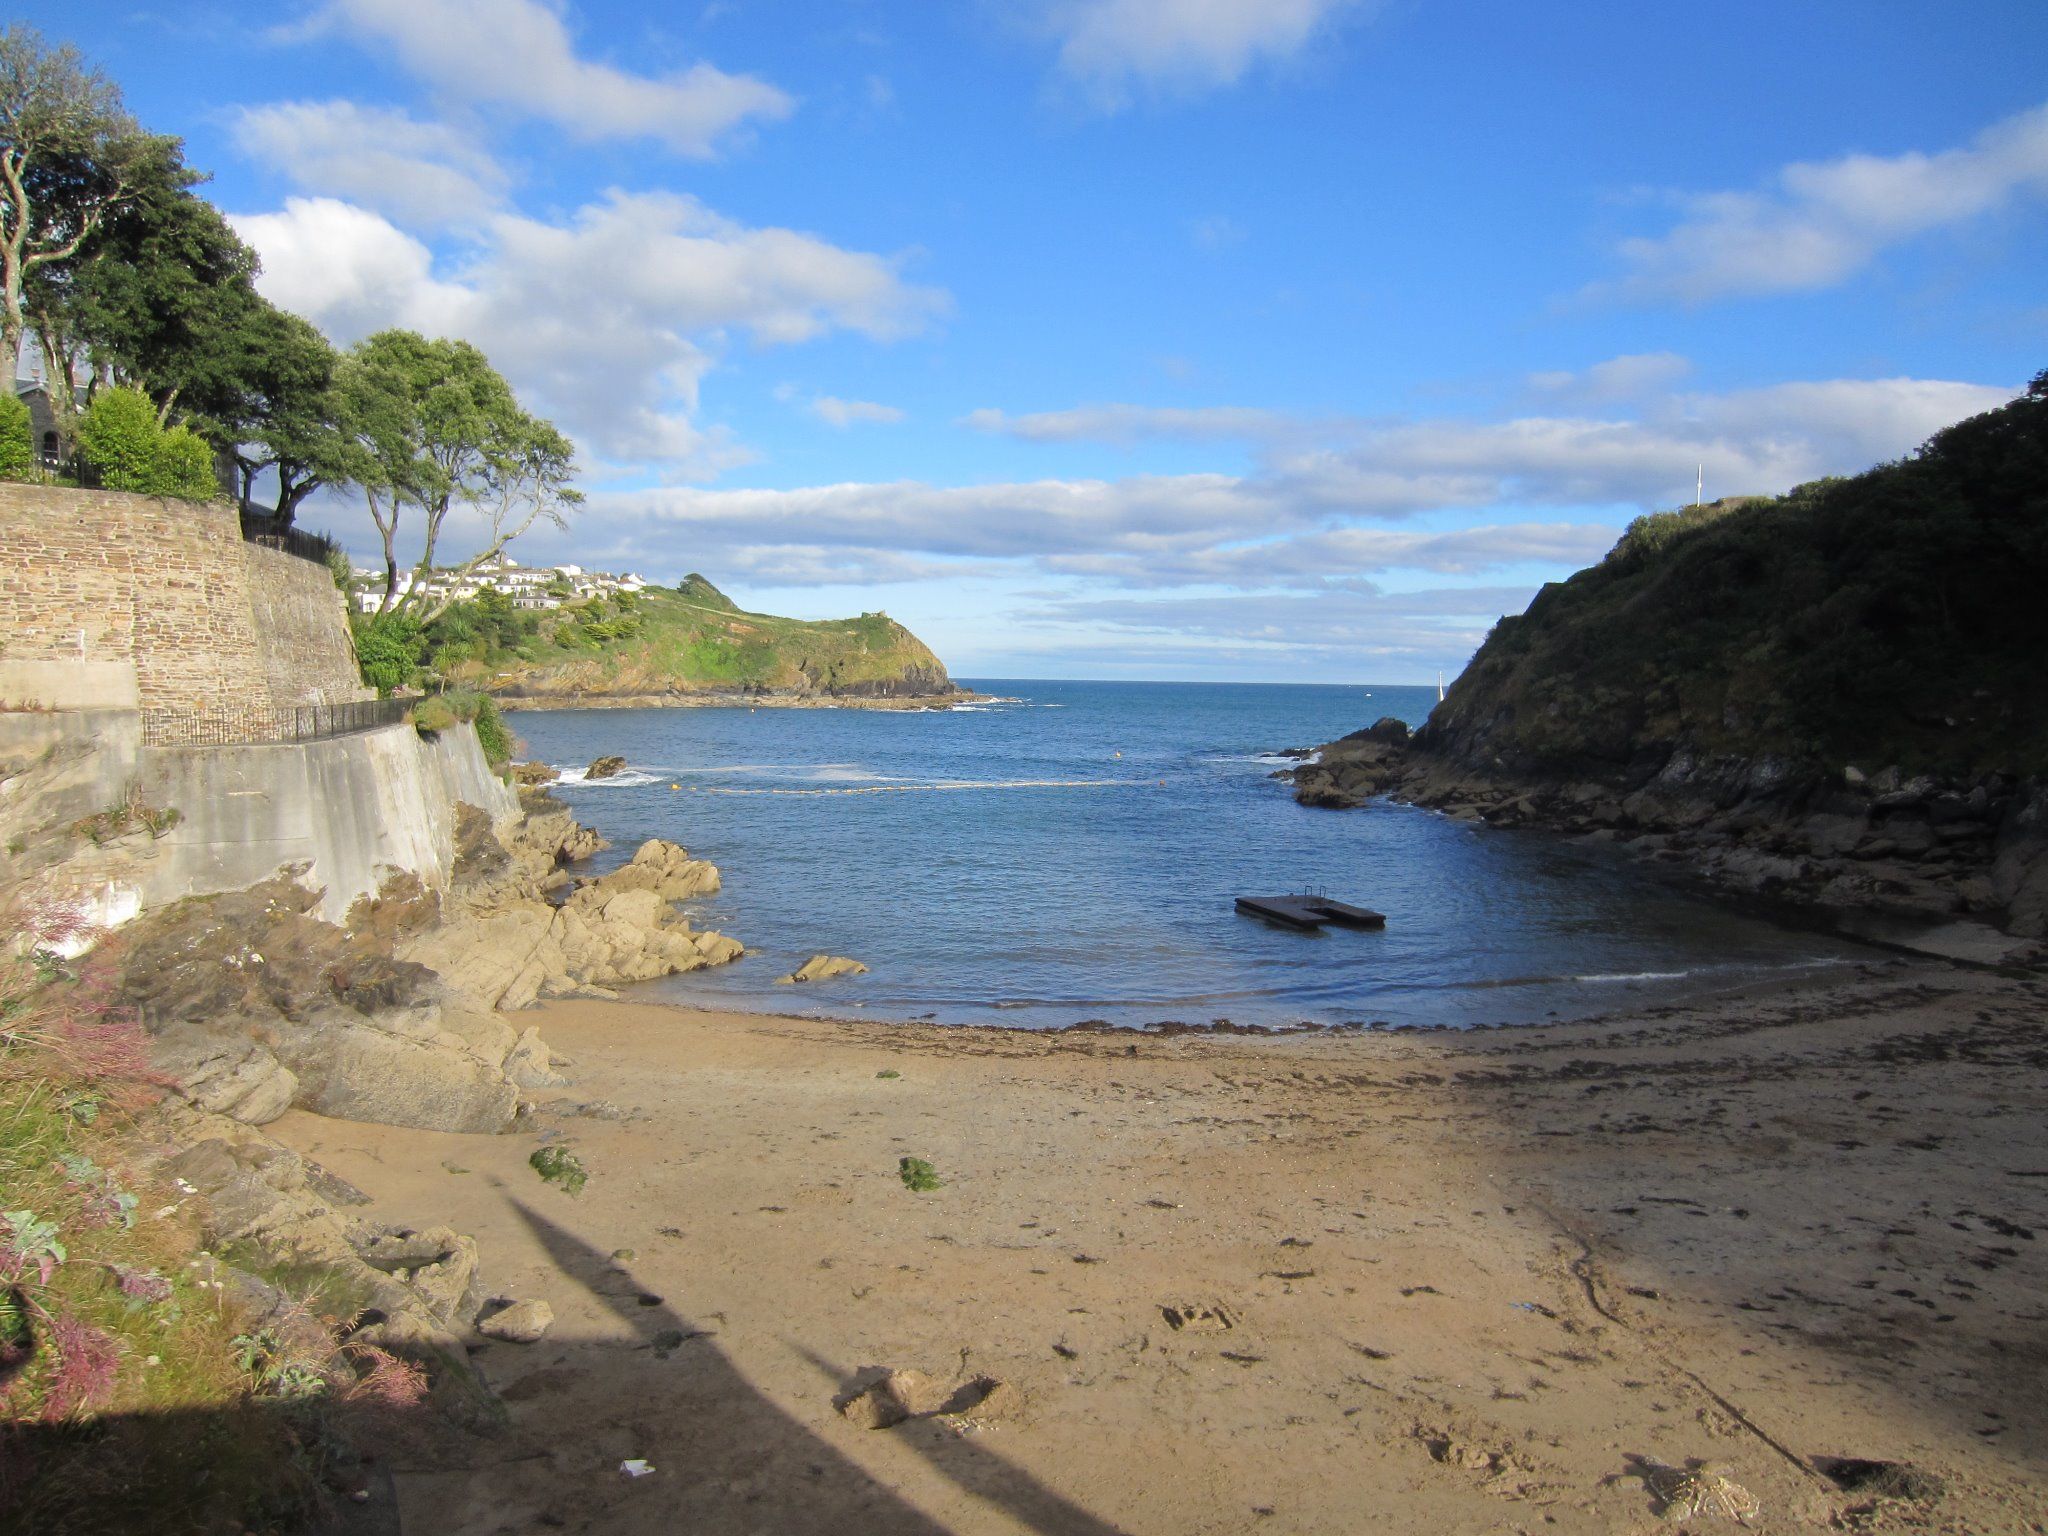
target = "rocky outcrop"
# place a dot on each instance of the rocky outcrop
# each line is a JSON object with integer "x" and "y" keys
{"x": 1834, "y": 695}
{"x": 823, "y": 968}
{"x": 1352, "y": 769}
{"x": 502, "y": 944}
{"x": 604, "y": 768}
{"x": 254, "y": 1005}
{"x": 1878, "y": 840}
{"x": 416, "y": 1289}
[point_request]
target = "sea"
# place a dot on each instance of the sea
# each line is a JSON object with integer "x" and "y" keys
{"x": 1068, "y": 852}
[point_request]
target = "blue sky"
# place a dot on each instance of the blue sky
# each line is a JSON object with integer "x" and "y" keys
{"x": 1257, "y": 339}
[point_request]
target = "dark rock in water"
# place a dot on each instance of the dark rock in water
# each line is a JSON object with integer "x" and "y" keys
{"x": 604, "y": 768}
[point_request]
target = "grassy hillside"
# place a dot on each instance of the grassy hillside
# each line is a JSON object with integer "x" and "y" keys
{"x": 1894, "y": 617}
{"x": 688, "y": 639}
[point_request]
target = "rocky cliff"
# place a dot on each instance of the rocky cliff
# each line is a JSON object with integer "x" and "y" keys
{"x": 1839, "y": 694}
{"x": 693, "y": 641}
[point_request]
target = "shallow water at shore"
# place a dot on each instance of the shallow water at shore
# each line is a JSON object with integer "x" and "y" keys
{"x": 1071, "y": 851}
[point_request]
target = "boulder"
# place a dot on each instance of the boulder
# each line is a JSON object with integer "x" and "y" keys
{"x": 604, "y": 768}
{"x": 437, "y": 1264}
{"x": 665, "y": 869}
{"x": 823, "y": 968}
{"x": 350, "y": 1068}
{"x": 530, "y": 1064}
{"x": 523, "y": 1322}
{"x": 534, "y": 774}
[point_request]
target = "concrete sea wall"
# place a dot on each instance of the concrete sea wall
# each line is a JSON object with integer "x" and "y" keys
{"x": 352, "y": 810}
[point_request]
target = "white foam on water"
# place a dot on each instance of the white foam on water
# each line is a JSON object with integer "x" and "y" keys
{"x": 628, "y": 778}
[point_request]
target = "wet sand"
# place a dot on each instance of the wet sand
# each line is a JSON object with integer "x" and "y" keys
{"x": 1476, "y": 1282}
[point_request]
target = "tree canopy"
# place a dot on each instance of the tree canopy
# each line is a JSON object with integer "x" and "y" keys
{"x": 434, "y": 428}
{"x": 70, "y": 156}
{"x": 129, "y": 279}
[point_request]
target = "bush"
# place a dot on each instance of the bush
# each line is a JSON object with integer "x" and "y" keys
{"x": 491, "y": 733}
{"x": 17, "y": 437}
{"x": 388, "y": 649}
{"x": 184, "y": 467}
{"x": 434, "y": 715}
{"x": 129, "y": 450}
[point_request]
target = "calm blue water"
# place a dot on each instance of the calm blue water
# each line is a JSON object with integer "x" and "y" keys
{"x": 1072, "y": 853}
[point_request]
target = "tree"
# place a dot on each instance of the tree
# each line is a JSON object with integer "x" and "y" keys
{"x": 431, "y": 425}
{"x": 287, "y": 415}
{"x": 69, "y": 157}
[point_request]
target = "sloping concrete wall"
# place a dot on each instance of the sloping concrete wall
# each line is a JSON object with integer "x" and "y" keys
{"x": 352, "y": 811}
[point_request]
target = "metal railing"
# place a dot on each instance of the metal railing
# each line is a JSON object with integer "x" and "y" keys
{"x": 284, "y": 538}
{"x": 259, "y": 725}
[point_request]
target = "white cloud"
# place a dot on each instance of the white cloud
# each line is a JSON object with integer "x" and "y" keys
{"x": 1755, "y": 440}
{"x": 1629, "y": 377}
{"x": 844, "y": 413}
{"x": 349, "y": 270}
{"x": 1111, "y": 47}
{"x": 1302, "y": 520}
{"x": 519, "y": 54}
{"x": 1822, "y": 221}
{"x": 1124, "y": 424}
{"x": 606, "y": 322}
{"x": 426, "y": 174}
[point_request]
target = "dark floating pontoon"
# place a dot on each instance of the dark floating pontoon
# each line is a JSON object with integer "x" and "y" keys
{"x": 1310, "y": 909}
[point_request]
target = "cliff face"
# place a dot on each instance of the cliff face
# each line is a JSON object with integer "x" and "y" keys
{"x": 694, "y": 640}
{"x": 1839, "y": 693}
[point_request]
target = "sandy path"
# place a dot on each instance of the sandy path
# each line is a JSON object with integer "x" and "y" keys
{"x": 1471, "y": 1279}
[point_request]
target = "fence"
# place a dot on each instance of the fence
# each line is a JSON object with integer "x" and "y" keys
{"x": 262, "y": 725}
{"x": 271, "y": 534}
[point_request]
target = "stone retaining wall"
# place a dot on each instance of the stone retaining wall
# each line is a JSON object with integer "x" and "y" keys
{"x": 209, "y": 622}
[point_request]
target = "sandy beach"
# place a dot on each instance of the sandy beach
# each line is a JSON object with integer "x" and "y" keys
{"x": 1501, "y": 1281}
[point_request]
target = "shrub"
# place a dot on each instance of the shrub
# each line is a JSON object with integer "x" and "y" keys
{"x": 491, "y": 733}
{"x": 387, "y": 650}
{"x": 184, "y": 467}
{"x": 129, "y": 449}
{"x": 431, "y": 716}
{"x": 17, "y": 437}
{"x": 118, "y": 436}
{"x": 918, "y": 1175}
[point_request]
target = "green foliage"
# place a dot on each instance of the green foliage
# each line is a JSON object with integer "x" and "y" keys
{"x": 561, "y": 1168}
{"x": 184, "y": 466}
{"x": 918, "y": 1175}
{"x": 17, "y": 437}
{"x": 130, "y": 451}
{"x": 433, "y": 715}
{"x": 888, "y": 1072}
{"x": 1890, "y": 617}
{"x": 431, "y": 426}
{"x": 491, "y": 733}
{"x": 388, "y": 649}
{"x": 438, "y": 712}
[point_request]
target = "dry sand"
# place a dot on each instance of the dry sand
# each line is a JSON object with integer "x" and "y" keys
{"x": 1473, "y": 1282}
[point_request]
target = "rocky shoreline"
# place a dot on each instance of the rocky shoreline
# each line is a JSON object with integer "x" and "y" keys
{"x": 254, "y": 1007}
{"x": 1971, "y": 857}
